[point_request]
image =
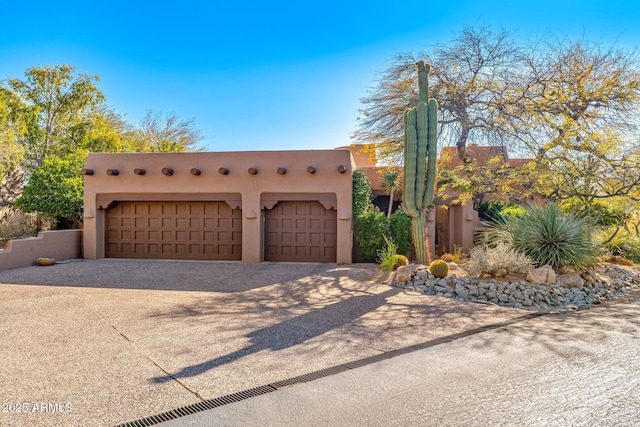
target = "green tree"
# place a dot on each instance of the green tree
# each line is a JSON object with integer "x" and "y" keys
{"x": 53, "y": 99}
{"x": 104, "y": 130}
{"x": 11, "y": 152}
{"x": 582, "y": 115}
{"x": 56, "y": 189}
{"x": 391, "y": 184}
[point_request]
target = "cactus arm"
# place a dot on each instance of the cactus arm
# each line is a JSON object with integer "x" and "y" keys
{"x": 421, "y": 158}
{"x": 423, "y": 80}
{"x": 410, "y": 171}
{"x": 432, "y": 114}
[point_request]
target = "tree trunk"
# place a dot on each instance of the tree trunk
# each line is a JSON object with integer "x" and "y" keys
{"x": 390, "y": 204}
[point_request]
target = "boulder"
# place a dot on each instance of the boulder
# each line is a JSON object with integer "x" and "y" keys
{"x": 570, "y": 280}
{"x": 405, "y": 273}
{"x": 544, "y": 274}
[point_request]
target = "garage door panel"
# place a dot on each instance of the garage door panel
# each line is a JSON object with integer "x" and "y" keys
{"x": 178, "y": 230}
{"x": 301, "y": 231}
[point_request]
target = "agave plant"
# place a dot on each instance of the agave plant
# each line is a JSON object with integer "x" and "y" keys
{"x": 548, "y": 236}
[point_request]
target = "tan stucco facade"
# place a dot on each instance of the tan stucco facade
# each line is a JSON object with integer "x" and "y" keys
{"x": 251, "y": 181}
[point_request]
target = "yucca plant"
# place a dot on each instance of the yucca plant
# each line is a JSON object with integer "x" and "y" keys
{"x": 548, "y": 237}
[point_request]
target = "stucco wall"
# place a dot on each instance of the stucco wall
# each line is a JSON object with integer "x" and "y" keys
{"x": 327, "y": 181}
{"x": 58, "y": 244}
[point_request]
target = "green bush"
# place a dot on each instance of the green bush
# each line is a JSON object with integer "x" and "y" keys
{"x": 605, "y": 214}
{"x": 548, "y": 237}
{"x": 371, "y": 229}
{"x": 361, "y": 193}
{"x": 400, "y": 230}
{"x": 495, "y": 209}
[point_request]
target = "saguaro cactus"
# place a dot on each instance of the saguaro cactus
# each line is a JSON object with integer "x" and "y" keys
{"x": 420, "y": 151}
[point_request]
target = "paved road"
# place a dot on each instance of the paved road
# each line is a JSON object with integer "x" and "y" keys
{"x": 578, "y": 369}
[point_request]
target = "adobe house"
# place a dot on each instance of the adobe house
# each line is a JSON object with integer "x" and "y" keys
{"x": 248, "y": 206}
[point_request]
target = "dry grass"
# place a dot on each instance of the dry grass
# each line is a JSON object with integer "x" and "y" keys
{"x": 15, "y": 224}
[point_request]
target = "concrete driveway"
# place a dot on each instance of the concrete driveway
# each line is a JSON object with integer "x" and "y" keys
{"x": 109, "y": 341}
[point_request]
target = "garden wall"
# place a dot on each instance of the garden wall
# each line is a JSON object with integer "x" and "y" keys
{"x": 58, "y": 244}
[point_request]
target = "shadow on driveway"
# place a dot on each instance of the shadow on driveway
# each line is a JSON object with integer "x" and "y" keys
{"x": 294, "y": 331}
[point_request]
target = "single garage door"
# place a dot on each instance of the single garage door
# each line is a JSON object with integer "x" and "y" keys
{"x": 300, "y": 231}
{"x": 174, "y": 230}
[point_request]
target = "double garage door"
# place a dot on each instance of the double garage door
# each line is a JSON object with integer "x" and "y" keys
{"x": 294, "y": 231}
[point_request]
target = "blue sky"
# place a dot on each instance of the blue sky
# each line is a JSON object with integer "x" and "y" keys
{"x": 268, "y": 75}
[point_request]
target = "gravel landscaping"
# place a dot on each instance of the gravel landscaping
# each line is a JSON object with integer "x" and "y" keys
{"x": 567, "y": 291}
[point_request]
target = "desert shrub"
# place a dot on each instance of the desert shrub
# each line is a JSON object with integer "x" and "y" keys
{"x": 15, "y": 224}
{"x": 447, "y": 257}
{"x": 457, "y": 256}
{"x": 548, "y": 237}
{"x": 371, "y": 229}
{"x": 400, "y": 231}
{"x": 386, "y": 256}
{"x": 499, "y": 261}
{"x": 616, "y": 259}
{"x": 624, "y": 244}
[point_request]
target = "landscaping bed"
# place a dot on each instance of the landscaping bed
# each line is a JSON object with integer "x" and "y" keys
{"x": 568, "y": 291}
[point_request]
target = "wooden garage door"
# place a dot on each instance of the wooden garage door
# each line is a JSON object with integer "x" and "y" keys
{"x": 174, "y": 230}
{"x": 300, "y": 231}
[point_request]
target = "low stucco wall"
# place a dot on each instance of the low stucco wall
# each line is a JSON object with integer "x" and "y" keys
{"x": 58, "y": 244}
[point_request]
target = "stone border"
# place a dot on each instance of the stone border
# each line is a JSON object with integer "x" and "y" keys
{"x": 569, "y": 292}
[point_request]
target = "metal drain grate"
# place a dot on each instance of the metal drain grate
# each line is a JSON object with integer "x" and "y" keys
{"x": 279, "y": 385}
{"x": 199, "y": 407}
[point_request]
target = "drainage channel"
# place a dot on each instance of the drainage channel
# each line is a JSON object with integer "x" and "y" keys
{"x": 305, "y": 378}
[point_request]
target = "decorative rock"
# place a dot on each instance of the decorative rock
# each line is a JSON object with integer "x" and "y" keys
{"x": 464, "y": 293}
{"x": 543, "y": 274}
{"x": 571, "y": 280}
{"x": 405, "y": 272}
{"x": 452, "y": 266}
